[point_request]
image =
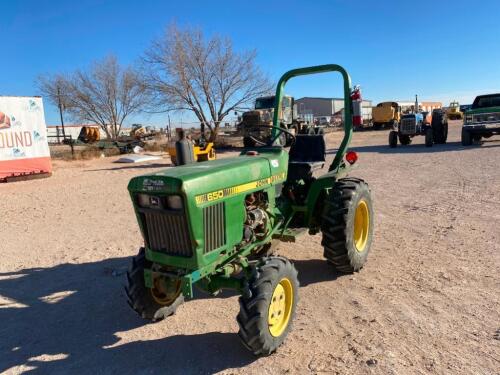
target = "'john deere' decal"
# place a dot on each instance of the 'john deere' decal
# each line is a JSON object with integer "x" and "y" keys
{"x": 238, "y": 189}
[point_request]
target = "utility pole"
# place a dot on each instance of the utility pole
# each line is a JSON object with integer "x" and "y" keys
{"x": 60, "y": 112}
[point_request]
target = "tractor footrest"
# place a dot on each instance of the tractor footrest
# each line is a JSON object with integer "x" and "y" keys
{"x": 290, "y": 234}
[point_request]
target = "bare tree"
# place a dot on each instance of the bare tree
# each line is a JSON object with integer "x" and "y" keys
{"x": 106, "y": 94}
{"x": 187, "y": 72}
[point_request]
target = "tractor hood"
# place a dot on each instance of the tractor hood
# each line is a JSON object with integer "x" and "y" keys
{"x": 199, "y": 179}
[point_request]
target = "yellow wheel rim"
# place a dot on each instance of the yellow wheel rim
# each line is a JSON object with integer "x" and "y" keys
{"x": 165, "y": 294}
{"x": 361, "y": 225}
{"x": 280, "y": 307}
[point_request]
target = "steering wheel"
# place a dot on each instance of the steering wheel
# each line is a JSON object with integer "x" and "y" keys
{"x": 271, "y": 140}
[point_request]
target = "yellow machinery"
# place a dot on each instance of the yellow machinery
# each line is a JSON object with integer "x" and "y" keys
{"x": 454, "y": 112}
{"x": 201, "y": 153}
{"x": 142, "y": 132}
{"x": 386, "y": 114}
{"x": 137, "y": 131}
{"x": 89, "y": 134}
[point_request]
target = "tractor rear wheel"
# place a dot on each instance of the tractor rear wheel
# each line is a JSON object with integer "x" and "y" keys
{"x": 429, "y": 139}
{"x": 267, "y": 307}
{"x": 347, "y": 224}
{"x": 393, "y": 139}
{"x": 154, "y": 303}
{"x": 439, "y": 128}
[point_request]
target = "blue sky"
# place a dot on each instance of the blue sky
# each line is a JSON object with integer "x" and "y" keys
{"x": 441, "y": 50}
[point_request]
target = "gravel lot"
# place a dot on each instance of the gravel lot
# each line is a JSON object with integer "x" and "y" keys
{"x": 428, "y": 300}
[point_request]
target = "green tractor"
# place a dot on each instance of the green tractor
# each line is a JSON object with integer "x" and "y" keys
{"x": 215, "y": 225}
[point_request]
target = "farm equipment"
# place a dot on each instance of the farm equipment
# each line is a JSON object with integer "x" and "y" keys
{"x": 255, "y": 124}
{"x": 386, "y": 114}
{"x": 89, "y": 134}
{"x": 139, "y": 131}
{"x": 215, "y": 225}
{"x": 201, "y": 152}
{"x": 482, "y": 120}
{"x": 201, "y": 149}
{"x": 433, "y": 126}
{"x": 453, "y": 112}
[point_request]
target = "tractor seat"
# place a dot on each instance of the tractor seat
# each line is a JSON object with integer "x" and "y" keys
{"x": 306, "y": 155}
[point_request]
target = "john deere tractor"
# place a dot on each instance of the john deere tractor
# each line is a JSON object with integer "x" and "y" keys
{"x": 214, "y": 225}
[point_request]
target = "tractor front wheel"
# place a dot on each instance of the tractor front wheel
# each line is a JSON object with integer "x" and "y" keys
{"x": 154, "y": 303}
{"x": 404, "y": 139}
{"x": 267, "y": 307}
{"x": 347, "y": 225}
{"x": 393, "y": 139}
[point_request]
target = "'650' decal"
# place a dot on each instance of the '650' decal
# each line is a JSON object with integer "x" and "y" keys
{"x": 238, "y": 189}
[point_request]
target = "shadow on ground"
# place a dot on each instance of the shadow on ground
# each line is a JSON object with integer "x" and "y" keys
{"x": 74, "y": 332}
{"x": 312, "y": 271}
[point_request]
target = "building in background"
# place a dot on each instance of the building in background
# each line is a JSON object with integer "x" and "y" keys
{"x": 409, "y": 106}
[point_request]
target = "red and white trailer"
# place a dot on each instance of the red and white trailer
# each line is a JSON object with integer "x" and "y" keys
{"x": 24, "y": 150}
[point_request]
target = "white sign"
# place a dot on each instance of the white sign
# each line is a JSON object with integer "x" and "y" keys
{"x": 23, "y": 137}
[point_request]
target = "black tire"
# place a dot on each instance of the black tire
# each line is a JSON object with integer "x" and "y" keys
{"x": 339, "y": 221}
{"x": 445, "y": 132}
{"x": 439, "y": 127}
{"x": 393, "y": 139}
{"x": 253, "y": 318}
{"x": 140, "y": 297}
{"x": 466, "y": 137}
{"x": 404, "y": 139}
{"x": 248, "y": 142}
{"x": 377, "y": 126}
{"x": 429, "y": 139}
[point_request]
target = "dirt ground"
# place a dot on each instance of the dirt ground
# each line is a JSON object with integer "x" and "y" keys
{"x": 427, "y": 302}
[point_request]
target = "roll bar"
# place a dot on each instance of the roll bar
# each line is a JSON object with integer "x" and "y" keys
{"x": 347, "y": 102}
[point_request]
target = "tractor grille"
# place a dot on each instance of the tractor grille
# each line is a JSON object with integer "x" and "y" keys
{"x": 214, "y": 225}
{"x": 408, "y": 126}
{"x": 251, "y": 119}
{"x": 167, "y": 232}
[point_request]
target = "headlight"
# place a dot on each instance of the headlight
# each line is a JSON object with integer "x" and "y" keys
{"x": 170, "y": 202}
{"x": 143, "y": 200}
{"x": 468, "y": 119}
{"x": 174, "y": 202}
